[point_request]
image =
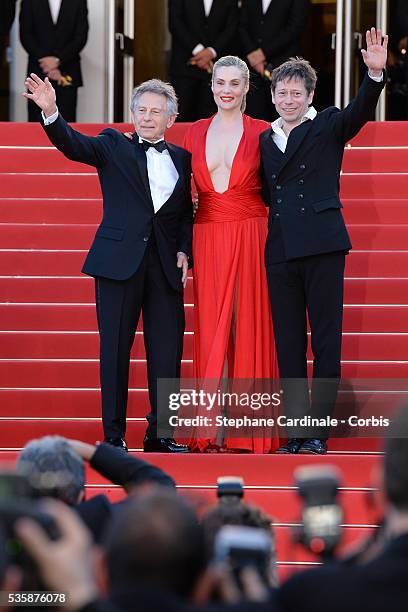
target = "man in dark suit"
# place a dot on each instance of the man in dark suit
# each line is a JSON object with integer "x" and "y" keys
{"x": 202, "y": 30}
{"x": 7, "y": 14}
{"x": 270, "y": 33}
{"x": 380, "y": 583}
{"x": 307, "y": 239}
{"x": 139, "y": 257}
{"x": 54, "y": 32}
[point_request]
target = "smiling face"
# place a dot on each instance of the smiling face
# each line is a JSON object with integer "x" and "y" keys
{"x": 292, "y": 100}
{"x": 229, "y": 87}
{"x": 150, "y": 116}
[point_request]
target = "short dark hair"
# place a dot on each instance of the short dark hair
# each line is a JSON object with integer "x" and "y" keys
{"x": 295, "y": 68}
{"x": 396, "y": 461}
{"x": 157, "y": 541}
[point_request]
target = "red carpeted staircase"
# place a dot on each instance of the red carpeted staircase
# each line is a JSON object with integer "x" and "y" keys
{"x": 49, "y": 383}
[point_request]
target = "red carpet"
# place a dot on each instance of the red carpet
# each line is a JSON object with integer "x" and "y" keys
{"x": 49, "y": 208}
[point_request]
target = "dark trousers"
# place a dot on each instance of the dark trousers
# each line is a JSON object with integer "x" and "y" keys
{"x": 66, "y": 102}
{"x": 313, "y": 286}
{"x": 195, "y": 98}
{"x": 118, "y": 305}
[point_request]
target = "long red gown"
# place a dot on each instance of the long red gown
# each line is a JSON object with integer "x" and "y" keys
{"x": 229, "y": 237}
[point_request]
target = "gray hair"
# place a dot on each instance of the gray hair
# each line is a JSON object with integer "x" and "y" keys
{"x": 53, "y": 468}
{"x": 232, "y": 60}
{"x": 159, "y": 87}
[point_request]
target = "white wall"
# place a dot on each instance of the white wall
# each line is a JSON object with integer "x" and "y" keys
{"x": 92, "y": 97}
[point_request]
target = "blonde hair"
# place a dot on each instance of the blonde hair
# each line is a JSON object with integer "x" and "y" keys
{"x": 232, "y": 60}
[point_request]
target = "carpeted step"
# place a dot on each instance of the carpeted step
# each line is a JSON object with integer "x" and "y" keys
{"x": 85, "y": 345}
{"x": 61, "y": 236}
{"x": 80, "y": 289}
{"x": 82, "y": 317}
{"x": 86, "y": 185}
{"x": 84, "y": 402}
{"x": 68, "y": 211}
{"x": 20, "y": 262}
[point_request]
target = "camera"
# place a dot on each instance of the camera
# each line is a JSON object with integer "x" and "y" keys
{"x": 241, "y": 547}
{"x": 322, "y": 516}
{"x": 18, "y": 500}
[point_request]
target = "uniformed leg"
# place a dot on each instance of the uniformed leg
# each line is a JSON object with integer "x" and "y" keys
{"x": 118, "y": 306}
{"x": 163, "y": 328}
{"x": 324, "y": 280}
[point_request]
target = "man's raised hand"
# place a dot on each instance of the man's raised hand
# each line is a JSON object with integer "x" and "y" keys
{"x": 375, "y": 57}
{"x": 42, "y": 93}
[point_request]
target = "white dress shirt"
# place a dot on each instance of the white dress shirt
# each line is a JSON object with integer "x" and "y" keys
{"x": 162, "y": 174}
{"x": 207, "y": 7}
{"x": 279, "y": 136}
{"x": 55, "y": 6}
{"x": 161, "y": 171}
{"x": 265, "y": 5}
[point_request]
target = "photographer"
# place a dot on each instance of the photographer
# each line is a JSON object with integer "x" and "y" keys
{"x": 55, "y": 468}
{"x": 381, "y": 582}
{"x": 154, "y": 560}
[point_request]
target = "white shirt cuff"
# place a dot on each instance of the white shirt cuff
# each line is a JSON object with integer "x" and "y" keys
{"x": 198, "y": 48}
{"x": 51, "y": 118}
{"x": 377, "y": 79}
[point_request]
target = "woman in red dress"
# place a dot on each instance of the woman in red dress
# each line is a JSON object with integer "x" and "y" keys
{"x": 233, "y": 335}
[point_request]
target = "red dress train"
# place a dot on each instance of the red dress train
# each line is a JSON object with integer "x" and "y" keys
{"x": 229, "y": 237}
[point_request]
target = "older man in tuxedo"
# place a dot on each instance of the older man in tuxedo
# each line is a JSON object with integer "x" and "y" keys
{"x": 54, "y": 32}
{"x": 270, "y": 32}
{"x": 139, "y": 257}
{"x": 202, "y": 30}
{"x": 307, "y": 238}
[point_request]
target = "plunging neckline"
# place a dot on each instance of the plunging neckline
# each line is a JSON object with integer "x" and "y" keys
{"x": 233, "y": 161}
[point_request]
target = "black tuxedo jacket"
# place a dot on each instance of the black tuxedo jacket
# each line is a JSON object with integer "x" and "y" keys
{"x": 301, "y": 186}
{"x": 128, "y": 214}
{"x": 189, "y": 26}
{"x": 375, "y": 586}
{"x": 7, "y": 14}
{"x": 40, "y": 37}
{"x": 278, "y": 32}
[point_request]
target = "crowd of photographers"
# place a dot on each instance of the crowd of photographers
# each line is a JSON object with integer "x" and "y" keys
{"x": 155, "y": 552}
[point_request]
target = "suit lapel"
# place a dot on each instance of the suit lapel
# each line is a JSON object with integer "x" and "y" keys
{"x": 141, "y": 162}
{"x": 47, "y": 12}
{"x": 176, "y": 159}
{"x": 295, "y": 140}
{"x": 200, "y": 9}
{"x": 64, "y": 8}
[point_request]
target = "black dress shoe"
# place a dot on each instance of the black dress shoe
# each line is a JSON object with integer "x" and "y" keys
{"x": 291, "y": 447}
{"x": 313, "y": 446}
{"x": 163, "y": 445}
{"x": 118, "y": 442}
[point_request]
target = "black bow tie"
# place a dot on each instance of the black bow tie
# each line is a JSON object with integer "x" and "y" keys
{"x": 159, "y": 146}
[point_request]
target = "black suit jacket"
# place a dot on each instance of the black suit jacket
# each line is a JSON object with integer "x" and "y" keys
{"x": 40, "y": 37}
{"x": 301, "y": 186}
{"x": 123, "y": 470}
{"x": 376, "y": 586}
{"x": 128, "y": 214}
{"x": 278, "y": 32}
{"x": 7, "y": 14}
{"x": 189, "y": 26}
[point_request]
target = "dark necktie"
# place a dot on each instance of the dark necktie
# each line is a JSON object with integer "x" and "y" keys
{"x": 159, "y": 146}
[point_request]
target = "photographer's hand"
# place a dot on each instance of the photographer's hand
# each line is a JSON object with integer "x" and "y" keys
{"x": 83, "y": 449}
{"x": 65, "y": 564}
{"x": 218, "y": 580}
